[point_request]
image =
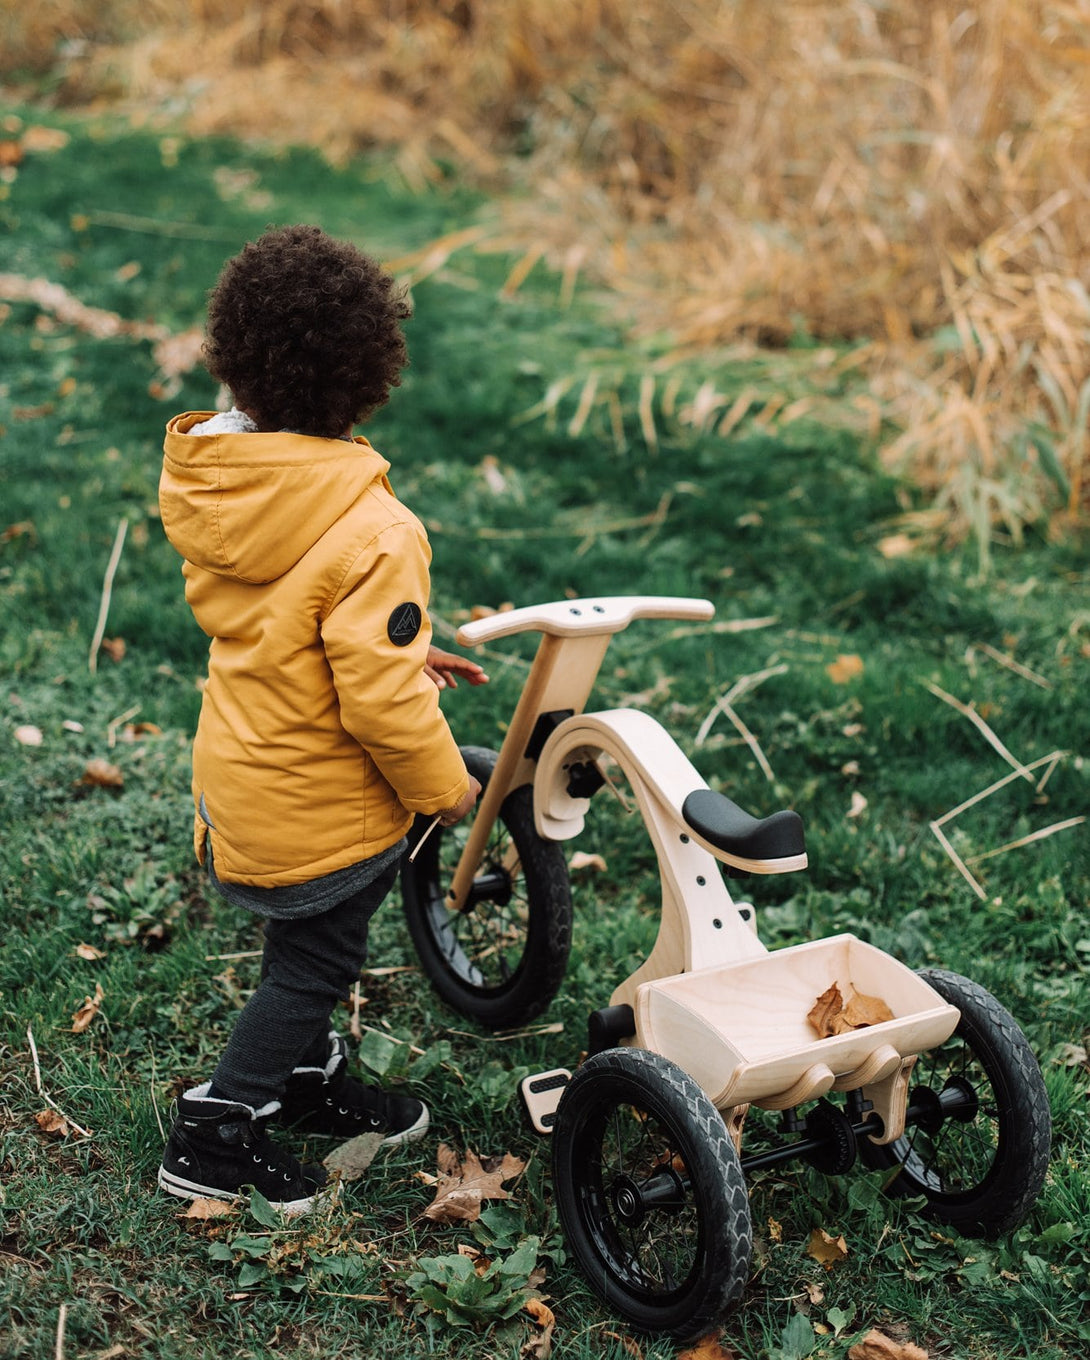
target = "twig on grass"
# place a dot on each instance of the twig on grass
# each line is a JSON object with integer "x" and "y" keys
{"x": 556, "y": 1027}
{"x": 354, "y": 1023}
{"x": 224, "y": 958}
{"x": 1002, "y": 659}
{"x": 62, "y": 1323}
{"x": 1020, "y": 772}
{"x": 1040, "y": 835}
{"x": 115, "y": 723}
{"x": 107, "y": 590}
{"x": 84, "y": 1133}
{"x": 968, "y": 711}
{"x": 740, "y": 687}
{"x": 34, "y": 1060}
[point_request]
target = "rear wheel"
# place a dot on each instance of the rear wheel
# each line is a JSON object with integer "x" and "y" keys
{"x": 977, "y": 1143}
{"x": 650, "y": 1193}
{"x": 502, "y": 958}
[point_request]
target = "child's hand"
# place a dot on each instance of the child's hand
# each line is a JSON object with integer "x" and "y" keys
{"x": 455, "y": 814}
{"x": 444, "y": 667}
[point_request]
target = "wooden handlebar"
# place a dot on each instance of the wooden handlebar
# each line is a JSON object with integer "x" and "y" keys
{"x": 570, "y": 618}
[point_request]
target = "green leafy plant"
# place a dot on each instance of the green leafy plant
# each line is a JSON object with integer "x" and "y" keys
{"x": 468, "y": 1294}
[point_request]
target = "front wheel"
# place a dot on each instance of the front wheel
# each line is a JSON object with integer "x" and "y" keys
{"x": 650, "y": 1193}
{"x": 979, "y": 1129}
{"x": 502, "y": 958}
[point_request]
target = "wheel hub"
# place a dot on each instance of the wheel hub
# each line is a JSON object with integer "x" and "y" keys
{"x": 632, "y": 1200}
{"x": 838, "y": 1151}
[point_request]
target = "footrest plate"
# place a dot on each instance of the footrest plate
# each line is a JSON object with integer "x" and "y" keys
{"x": 541, "y": 1092}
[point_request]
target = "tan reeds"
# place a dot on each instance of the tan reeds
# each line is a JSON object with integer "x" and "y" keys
{"x": 913, "y": 175}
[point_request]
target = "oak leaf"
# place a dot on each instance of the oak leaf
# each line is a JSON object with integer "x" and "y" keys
{"x": 877, "y": 1346}
{"x": 464, "y": 1185}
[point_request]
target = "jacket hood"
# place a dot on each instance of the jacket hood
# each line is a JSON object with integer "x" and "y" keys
{"x": 249, "y": 506}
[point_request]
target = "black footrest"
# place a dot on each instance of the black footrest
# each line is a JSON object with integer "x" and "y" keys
{"x": 726, "y": 826}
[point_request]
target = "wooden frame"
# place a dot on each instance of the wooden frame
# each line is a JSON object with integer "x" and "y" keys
{"x": 710, "y": 996}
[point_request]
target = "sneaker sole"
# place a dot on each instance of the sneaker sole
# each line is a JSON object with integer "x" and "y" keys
{"x": 412, "y": 1134}
{"x": 183, "y": 1189}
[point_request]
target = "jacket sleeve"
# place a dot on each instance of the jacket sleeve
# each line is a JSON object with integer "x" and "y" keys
{"x": 376, "y": 635}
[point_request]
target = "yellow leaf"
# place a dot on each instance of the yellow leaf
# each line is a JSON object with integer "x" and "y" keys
{"x": 541, "y": 1313}
{"x": 877, "y": 1346}
{"x": 844, "y": 668}
{"x": 825, "y": 1249}
{"x": 775, "y": 1230}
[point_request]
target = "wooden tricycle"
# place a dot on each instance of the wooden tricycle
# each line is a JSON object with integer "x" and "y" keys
{"x": 649, "y": 1166}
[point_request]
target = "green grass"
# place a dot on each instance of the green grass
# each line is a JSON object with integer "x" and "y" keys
{"x": 770, "y": 523}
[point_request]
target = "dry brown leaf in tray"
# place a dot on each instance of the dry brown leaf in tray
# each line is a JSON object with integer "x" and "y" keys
{"x": 831, "y": 1014}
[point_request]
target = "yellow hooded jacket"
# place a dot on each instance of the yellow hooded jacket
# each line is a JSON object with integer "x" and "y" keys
{"x": 320, "y": 734}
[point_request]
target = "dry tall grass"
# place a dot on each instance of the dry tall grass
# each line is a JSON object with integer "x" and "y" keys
{"x": 912, "y": 174}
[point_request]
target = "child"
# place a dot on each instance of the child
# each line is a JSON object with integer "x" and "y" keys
{"x": 320, "y": 734}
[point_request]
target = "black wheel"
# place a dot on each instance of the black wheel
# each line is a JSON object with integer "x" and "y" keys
{"x": 650, "y": 1193}
{"x": 979, "y": 1128}
{"x": 502, "y": 958}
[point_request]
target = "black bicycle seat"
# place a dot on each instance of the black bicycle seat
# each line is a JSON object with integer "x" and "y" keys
{"x": 724, "y": 824}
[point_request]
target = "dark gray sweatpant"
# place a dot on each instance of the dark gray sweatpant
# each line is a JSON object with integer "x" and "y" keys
{"x": 308, "y": 966}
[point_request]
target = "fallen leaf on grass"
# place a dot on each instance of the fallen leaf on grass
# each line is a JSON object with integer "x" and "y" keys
{"x": 38, "y": 139}
{"x": 540, "y": 1345}
{"x": 114, "y": 648}
{"x": 877, "y": 1346}
{"x": 24, "y": 529}
{"x": 844, "y": 668}
{"x": 541, "y": 1313}
{"x": 581, "y": 860}
{"x": 49, "y": 1121}
{"x": 859, "y": 805}
{"x": 29, "y": 736}
{"x": 826, "y": 1249}
{"x": 830, "y": 1014}
{"x": 208, "y": 1208}
{"x": 352, "y": 1159}
{"x": 88, "y": 952}
{"x": 708, "y": 1348}
{"x": 627, "y": 1342}
{"x": 463, "y": 1186}
{"x": 87, "y": 1012}
{"x": 100, "y": 773}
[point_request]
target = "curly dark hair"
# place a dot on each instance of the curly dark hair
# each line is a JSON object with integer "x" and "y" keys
{"x": 305, "y": 331}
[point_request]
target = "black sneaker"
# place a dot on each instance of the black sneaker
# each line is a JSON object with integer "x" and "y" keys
{"x": 218, "y": 1147}
{"x": 326, "y": 1100}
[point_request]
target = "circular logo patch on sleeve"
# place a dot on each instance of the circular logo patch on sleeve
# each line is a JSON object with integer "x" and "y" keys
{"x": 404, "y": 624}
